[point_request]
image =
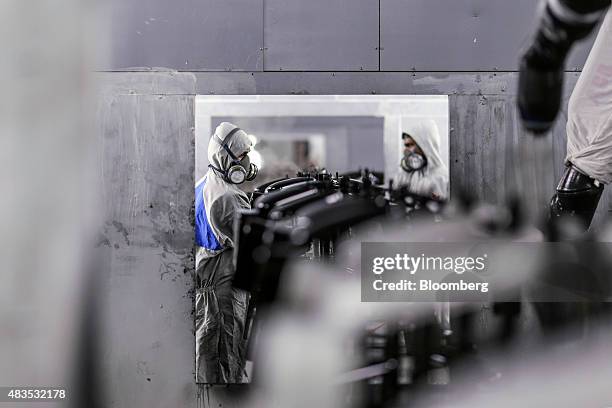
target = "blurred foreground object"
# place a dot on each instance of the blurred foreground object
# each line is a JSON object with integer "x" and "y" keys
{"x": 46, "y": 205}
{"x": 562, "y": 24}
{"x": 589, "y": 123}
{"x": 320, "y": 345}
{"x": 577, "y": 196}
{"x": 589, "y": 136}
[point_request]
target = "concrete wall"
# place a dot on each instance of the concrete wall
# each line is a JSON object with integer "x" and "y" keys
{"x": 146, "y": 122}
{"x": 146, "y": 153}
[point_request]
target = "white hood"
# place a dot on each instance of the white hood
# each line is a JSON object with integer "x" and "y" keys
{"x": 433, "y": 179}
{"x": 239, "y": 144}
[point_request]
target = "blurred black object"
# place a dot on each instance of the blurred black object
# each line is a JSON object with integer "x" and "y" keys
{"x": 577, "y": 196}
{"x": 304, "y": 219}
{"x": 309, "y": 212}
{"x": 540, "y": 89}
{"x": 260, "y": 190}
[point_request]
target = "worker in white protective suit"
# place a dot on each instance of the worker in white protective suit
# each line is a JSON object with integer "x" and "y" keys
{"x": 589, "y": 134}
{"x": 221, "y": 310}
{"x": 589, "y": 124}
{"x": 422, "y": 170}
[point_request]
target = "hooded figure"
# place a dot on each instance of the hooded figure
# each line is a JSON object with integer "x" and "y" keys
{"x": 220, "y": 309}
{"x": 589, "y": 136}
{"x": 422, "y": 170}
{"x": 589, "y": 121}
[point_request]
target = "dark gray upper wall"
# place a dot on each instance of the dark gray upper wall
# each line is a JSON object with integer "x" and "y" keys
{"x": 323, "y": 35}
{"x": 186, "y": 34}
{"x": 459, "y": 35}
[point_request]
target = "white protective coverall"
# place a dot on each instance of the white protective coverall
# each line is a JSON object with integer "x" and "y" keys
{"x": 433, "y": 179}
{"x": 220, "y": 309}
{"x": 589, "y": 123}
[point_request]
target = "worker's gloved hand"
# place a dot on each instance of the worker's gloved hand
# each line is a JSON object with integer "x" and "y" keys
{"x": 540, "y": 92}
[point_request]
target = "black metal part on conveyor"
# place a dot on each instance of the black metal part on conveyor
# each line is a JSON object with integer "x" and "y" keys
{"x": 364, "y": 187}
{"x": 329, "y": 216}
{"x": 286, "y": 182}
{"x": 247, "y": 238}
{"x": 258, "y": 265}
{"x": 344, "y": 184}
{"x": 291, "y": 204}
{"x": 260, "y": 258}
{"x": 262, "y": 187}
{"x": 379, "y": 175}
{"x": 260, "y": 190}
{"x": 406, "y": 198}
{"x": 260, "y": 255}
{"x": 266, "y": 202}
{"x": 264, "y": 246}
{"x": 323, "y": 177}
{"x": 262, "y": 249}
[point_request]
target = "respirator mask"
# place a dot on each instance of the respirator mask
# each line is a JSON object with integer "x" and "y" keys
{"x": 413, "y": 162}
{"x": 239, "y": 171}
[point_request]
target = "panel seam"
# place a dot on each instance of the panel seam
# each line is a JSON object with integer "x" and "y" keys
{"x": 263, "y": 36}
{"x": 379, "y": 29}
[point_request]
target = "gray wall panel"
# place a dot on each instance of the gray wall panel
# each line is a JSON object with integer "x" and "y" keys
{"x": 146, "y": 164}
{"x": 459, "y": 35}
{"x": 187, "y": 35}
{"x": 321, "y": 35}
